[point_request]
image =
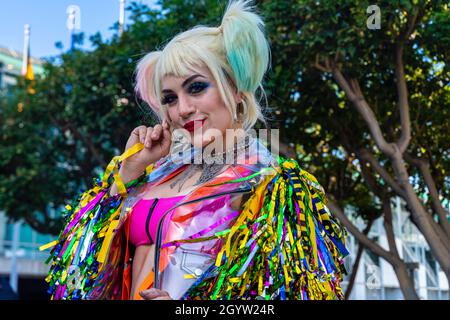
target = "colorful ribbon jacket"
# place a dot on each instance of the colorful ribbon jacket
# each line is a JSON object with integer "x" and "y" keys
{"x": 282, "y": 243}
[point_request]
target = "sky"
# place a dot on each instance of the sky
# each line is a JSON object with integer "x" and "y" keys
{"x": 48, "y": 22}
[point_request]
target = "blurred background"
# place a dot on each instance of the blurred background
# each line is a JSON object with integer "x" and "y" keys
{"x": 359, "y": 91}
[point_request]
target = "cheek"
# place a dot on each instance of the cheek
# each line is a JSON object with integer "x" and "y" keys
{"x": 226, "y": 116}
{"x": 221, "y": 117}
{"x": 172, "y": 113}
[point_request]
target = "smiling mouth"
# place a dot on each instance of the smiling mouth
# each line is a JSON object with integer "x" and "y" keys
{"x": 191, "y": 125}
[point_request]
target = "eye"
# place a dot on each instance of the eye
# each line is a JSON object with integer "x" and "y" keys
{"x": 197, "y": 87}
{"x": 193, "y": 88}
{"x": 169, "y": 99}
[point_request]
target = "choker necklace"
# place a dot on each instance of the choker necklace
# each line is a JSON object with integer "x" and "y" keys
{"x": 217, "y": 161}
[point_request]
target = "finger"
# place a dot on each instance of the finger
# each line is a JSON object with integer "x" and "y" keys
{"x": 150, "y": 292}
{"x": 142, "y": 133}
{"x": 156, "y": 134}
{"x": 166, "y": 137}
{"x": 165, "y": 125}
{"x": 153, "y": 293}
{"x": 136, "y": 132}
{"x": 148, "y": 139}
{"x": 163, "y": 298}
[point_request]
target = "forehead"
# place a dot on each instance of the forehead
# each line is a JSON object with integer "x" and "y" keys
{"x": 171, "y": 79}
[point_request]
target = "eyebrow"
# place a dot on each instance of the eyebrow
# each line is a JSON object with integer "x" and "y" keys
{"x": 185, "y": 82}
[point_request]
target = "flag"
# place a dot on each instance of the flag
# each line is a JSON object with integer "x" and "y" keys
{"x": 27, "y": 67}
{"x": 29, "y": 74}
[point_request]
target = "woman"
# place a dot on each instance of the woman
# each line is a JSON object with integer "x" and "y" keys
{"x": 200, "y": 216}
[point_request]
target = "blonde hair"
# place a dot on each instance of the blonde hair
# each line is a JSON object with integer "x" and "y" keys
{"x": 236, "y": 53}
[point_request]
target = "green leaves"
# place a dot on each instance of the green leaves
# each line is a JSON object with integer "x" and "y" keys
{"x": 321, "y": 30}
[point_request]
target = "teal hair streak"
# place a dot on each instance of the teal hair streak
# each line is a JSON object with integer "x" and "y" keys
{"x": 246, "y": 46}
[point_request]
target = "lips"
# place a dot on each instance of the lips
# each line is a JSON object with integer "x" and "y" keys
{"x": 191, "y": 125}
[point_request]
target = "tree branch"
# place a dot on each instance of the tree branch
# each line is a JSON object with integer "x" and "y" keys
{"x": 77, "y": 134}
{"x": 400, "y": 268}
{"x": 370, "y": 180}
{"x": 366, "y": 155}
{"x": 355, "y": 183}
{"x": 424, "y": 168}
{"x": 364, "y": 240}
{"x": 89, "y": 144}
{"x": 412, "y": 22}
{"x": 402, "y": 89}
{"x": 352, "y": 278}
{"x": 403, "y": 103}
{"x": 356, "y": 97}
{"x": 324, "y": 68}
{"x": 388, "y": 226}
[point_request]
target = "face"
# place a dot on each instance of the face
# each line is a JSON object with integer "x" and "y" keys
{"x": 194, "y": 103}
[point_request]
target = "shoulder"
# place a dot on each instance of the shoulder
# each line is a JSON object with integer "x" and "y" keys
{"x": 284, "y": 221}
{"x": 289, "y": 171}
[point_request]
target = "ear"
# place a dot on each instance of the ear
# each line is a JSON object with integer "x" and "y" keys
{"x": 238, "y": 97}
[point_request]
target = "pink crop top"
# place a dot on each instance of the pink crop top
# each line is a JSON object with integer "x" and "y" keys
{"x": 145, "y": 218}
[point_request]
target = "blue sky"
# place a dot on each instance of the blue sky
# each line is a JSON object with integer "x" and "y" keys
{"x": 47, "y": 19}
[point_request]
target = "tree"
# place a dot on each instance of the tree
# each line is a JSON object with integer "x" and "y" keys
{"x": 374, "y": 97}
{"x": 363, "y": 109}
{"x": 81, "y": 114}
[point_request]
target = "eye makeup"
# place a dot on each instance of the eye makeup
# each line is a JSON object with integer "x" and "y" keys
{"x": 194, "y": 88}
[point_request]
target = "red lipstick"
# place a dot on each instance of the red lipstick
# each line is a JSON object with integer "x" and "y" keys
{"x": 191, "y": 125}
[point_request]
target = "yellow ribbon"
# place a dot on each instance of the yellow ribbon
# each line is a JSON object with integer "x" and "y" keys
{"x": 48, "y": 245}
{"x": 112, "y": 168}
{"x": 108, "y": 237}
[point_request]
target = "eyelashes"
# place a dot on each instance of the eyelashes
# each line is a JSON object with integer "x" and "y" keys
{"x": 193, "y": 88}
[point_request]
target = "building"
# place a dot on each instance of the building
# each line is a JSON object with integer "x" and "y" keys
{"x": 11, "y": 67}
{"x": 29, "y": 261}
{"x": 376, "y": 279}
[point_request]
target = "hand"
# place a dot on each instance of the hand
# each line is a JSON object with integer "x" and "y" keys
{"x": 155, "y": 294}
{"x": 156, "y": 140}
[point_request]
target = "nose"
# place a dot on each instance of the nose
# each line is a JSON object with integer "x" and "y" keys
{"x": 185, "y": 107}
